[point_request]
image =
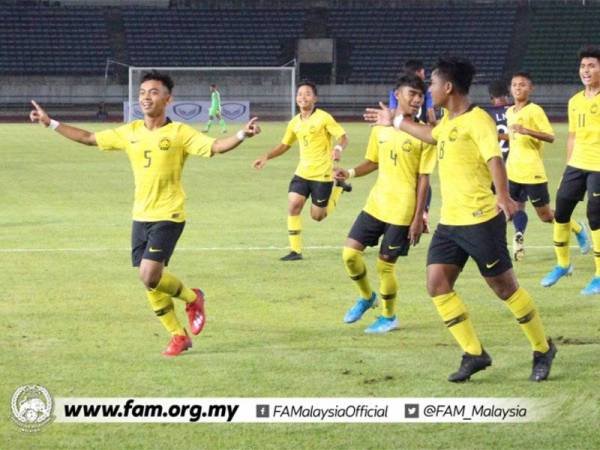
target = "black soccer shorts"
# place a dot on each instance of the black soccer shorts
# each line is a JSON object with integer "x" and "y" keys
{"x": 484, "y": 242}
{"x": 367, "y": 230}
{"x": 319, "y": 191}
{"x": 154, "y": 240}
{"x": 537, "y": 193}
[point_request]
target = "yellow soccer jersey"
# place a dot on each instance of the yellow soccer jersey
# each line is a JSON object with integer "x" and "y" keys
{"x": 525, "y": 160}
{"x": 401, "y": 159}
{"x": 314, "y": 136}
{"x": 584, "y": 121}
{"x": 157, "y": 158}
{"x": 464, "y": 145}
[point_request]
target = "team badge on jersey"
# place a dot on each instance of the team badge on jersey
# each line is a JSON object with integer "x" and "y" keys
{"x": 164, "y": 144}
{"x": 407, "y": 146}
{"x": 453, "y": 136}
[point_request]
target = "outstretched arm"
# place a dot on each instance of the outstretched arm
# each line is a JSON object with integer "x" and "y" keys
{"x": 364, "y": 168}
{"x": 384, "y": 116}
{"x": 223, "y": 145}
{"x": 70, "y": 132}
{"x": 276, "y": 151}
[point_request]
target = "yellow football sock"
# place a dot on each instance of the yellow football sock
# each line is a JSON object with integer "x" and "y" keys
{"x": 334, "y": 198}
{"x": 575, "y": 227}
{"x": 522, "y": 306}
{"x": 170, "y": 284}
{"x": 355, "y": 266}
{"x": 453, "y": 312}
{"x": 295, "y": 233}
{"x": 388, "y": 287}
{"x": 562, "y": 236}
{"x": 162, "y": 305}
{"x": 596, "y": 246}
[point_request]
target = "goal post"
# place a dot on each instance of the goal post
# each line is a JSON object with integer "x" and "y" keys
{"x": 266, "y": 92}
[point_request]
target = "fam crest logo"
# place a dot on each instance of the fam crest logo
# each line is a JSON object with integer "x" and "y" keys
{"x": 187, "y": 111}
{"x": 164, "y": 144}
{"x": 232, "y": 111}
{"x": 32, "y": 407}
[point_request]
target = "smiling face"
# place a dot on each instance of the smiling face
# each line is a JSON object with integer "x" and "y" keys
{"x": 409, "y": 99}
{"x": 153, "y": 98}
{"x": 589, "y": 71}
{"x": 306, "y": 98}
{"x": 520, "y": 88}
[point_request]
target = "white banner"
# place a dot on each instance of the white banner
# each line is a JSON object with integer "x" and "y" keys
{"x": 195, "y": 112}
{"x": 300, "y": 410}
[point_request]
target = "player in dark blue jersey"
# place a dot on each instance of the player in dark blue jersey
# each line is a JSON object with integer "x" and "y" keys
{"x": 498, "y": 91}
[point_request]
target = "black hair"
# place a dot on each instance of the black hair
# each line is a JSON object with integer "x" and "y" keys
{"x": 523, "y": 74}
{"x": 589, "y": 51}
{"x": 165, "y": 79}
{"x": 214, "y": 86}
{"x": 458, "y": 71}
{"x": 498, "y": 88}
{"x": 308, "y": 83}
{"x": 413, "y": 65}
{"x": 412, "y": 81}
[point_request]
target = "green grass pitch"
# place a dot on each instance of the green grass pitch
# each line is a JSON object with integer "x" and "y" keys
{"x": 75, "y": 319}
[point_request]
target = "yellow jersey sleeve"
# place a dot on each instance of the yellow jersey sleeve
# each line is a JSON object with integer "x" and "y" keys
{"x": 372, "y": 153}
{"x": 196, "y": 143}
{"x": 485, "y": 135}
{"x": 332, "y": 127}
{"x": 114, "y": 139}
{"x": 584, "y": 121}
{"x": 428, "y": 159}
{"x": 290, "y": 136}
{"x": 540, "y": 120}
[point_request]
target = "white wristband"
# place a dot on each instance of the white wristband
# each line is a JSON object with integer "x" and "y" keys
{"x": 351, "y": 173}
{"x": 397, "y": 121}
{"x": 54, "y": 124}
{"x": 339, "y": 148}
{"x": 240, "y": 135}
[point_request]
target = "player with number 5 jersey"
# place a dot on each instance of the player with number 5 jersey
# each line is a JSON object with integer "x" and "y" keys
{"x": 157, "y": 149}
{"x": 314, "y": 129}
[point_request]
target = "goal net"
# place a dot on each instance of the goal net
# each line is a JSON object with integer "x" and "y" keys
{"x": 266, "y": 92}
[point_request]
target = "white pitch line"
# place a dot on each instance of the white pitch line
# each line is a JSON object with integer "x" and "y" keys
{"x": 200, "y": 249}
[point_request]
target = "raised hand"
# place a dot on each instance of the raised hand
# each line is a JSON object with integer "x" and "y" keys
{"x": 39, "y": 115}
{"x": 252, "y": 128}
{"x": 383, "y": 115}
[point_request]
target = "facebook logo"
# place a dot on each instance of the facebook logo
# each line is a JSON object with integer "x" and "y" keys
{"x": 411, "y": 410}
{"x": 262, "y": 411}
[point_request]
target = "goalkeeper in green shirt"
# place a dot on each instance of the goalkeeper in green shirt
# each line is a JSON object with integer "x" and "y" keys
{"x": 215, "y": 109}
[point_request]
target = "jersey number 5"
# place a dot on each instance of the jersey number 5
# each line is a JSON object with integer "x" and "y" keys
{"x": 148, "y": 158}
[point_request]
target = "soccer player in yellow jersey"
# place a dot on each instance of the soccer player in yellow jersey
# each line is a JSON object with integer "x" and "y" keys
{"x": 394, "y": 208}
{"x": 314, "y": 129}
{"x": 472, "y": 220}
{"x": 157, "y": 149}
{"x": 582, "y": 173}
{"x": 529, "y": 128}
